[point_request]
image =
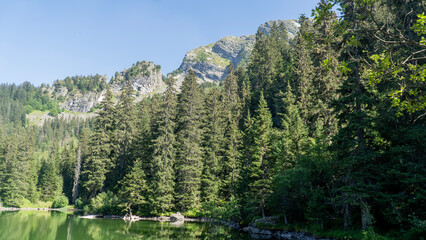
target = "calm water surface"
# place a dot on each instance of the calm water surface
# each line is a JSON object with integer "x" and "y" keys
{"x": 41, "y": 225}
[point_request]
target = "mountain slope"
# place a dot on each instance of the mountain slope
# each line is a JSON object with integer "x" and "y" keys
{"x": 209, "y": 62}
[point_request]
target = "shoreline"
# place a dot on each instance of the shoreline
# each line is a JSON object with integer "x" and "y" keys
{"x": 255, "y": 232}
{"x": 39, "y": 209}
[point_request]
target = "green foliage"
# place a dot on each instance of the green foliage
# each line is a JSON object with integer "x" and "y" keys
{"x": 99, "y": 162}
{"x": 96, "y": 83}
{"x": 105, "y": 203}
{"x": 139, "y": 69}
{"x": 189, "y": 136}
{"x": 228, "y": 210}
{"x": 133, "y": 188}
{"x": 164, "y": 153}
{"x": 60, "y": 202}
{"x": 17, "y": 101}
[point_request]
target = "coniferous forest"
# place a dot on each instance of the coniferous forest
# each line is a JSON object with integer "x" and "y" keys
{"x": 326, "y": 130}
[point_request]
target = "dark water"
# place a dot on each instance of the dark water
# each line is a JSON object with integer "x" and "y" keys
{"x": 35, "y": 225}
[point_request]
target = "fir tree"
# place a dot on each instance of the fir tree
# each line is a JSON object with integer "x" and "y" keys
{"x": 259, "y": 168}
{"x": 123, "y": 134}
{"x": 232, "y": 138}
{"x": 164, "y": 153}
{"x": 213, "y": 142}
{"x": 99, "y": 162}
{"x": 133, "y": 188}
{"x": 189, "y": 135}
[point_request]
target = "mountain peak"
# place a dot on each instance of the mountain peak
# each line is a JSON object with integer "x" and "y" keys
{"x": 209, "y": 62}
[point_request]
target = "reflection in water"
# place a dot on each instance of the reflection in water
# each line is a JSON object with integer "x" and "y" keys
{"x": 34, "y": 225}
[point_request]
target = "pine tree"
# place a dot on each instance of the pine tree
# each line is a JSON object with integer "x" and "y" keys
{"x": 123, "y": 134}
{"x": 133, "y": 188}
{"x": 258, "y": 170}
{"x": 304, "y": 71}
{"x": 213, "y": 142}
{"x": 67, "y": 167}
{"x": 189, "y": 151}
{"x": 356, "y": 118}
{"x": 164, "y": 153}
{"x": 244, "y": 93}
{"x": 232, "y": 138}
{"x": 16, "y": 169}
{"x": 326, "y": 49}
{"x": 99, "y": 162}
{"x": 50, "y": 182}
{"x": 295, "y": 134}
{"x": 270, "y": 64}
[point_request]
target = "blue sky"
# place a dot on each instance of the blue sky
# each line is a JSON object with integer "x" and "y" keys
{"x": 45, "y": 40}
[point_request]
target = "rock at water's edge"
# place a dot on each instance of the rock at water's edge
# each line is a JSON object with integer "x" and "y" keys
{"x": 177, "y": 217}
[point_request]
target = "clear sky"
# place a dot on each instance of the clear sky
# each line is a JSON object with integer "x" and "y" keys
{"x": 45, "y": 40}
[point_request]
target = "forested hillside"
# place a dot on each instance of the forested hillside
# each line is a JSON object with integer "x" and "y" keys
{"x": 326, "y": 130}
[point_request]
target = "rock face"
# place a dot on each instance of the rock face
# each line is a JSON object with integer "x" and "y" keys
{"x": 177, "y": 217}
{"x": 210, "y": 62}
{"x": 145, "y": 77}
{"x": 76, "y": 100}
{"x": 83, "y": 102}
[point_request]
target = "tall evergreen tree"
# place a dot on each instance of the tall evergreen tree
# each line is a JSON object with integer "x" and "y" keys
{"x": 189, "y": 135}
{"x": 270, "y": 65}
{"x": 326, "y": 50}
{"x": 230, "y": 164}
{"x": 98, "y": 163}
{"x": 259, "y": 168}
{"x": 213, "y": 142}
{"x": 123, "y": 134}
{"x": 16, "y": 169}
{"x": 133, "y": 188}
{"x": 304, "y": 71}
{"x": 164, "y": 152}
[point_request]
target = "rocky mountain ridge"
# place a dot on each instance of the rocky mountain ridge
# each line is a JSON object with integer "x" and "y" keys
{"x": 209, "y": 63}
{"x": 145, "y": 77}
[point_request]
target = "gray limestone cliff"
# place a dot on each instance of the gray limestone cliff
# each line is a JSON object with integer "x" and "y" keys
{"x": 83, "y": 102}
{"x": 145, "y": 77}
{"x": 209, "y": 62}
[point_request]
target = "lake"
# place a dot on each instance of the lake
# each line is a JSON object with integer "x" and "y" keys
{"x": 43, "y": 225}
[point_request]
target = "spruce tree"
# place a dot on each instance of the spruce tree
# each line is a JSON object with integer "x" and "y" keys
{"x": 258, "y": 170}
{"x": 133, "y": 188}
{"x": 326, "y": 49}
{"x": 295, "y": 133}
{"x": 124, "y": 133}
{"x": 99, "y": 162}
{"x": 189, "y": 135}
{"x": 164, "y": 153}
{"x": 213, "y": 142}
{"x": 270, "y": 64}
{"x": 232, "y": 136}
{"x": 16, "y": 169}
{"x": 304, "y": 71}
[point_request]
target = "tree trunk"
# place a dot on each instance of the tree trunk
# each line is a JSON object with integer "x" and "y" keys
{"x": 263, "y": 210}
{"x": 76, "y": 176}
{"x": 366, "y": 217}
{"x": 347, "y": 216}
{"x": 285, "y": 218}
